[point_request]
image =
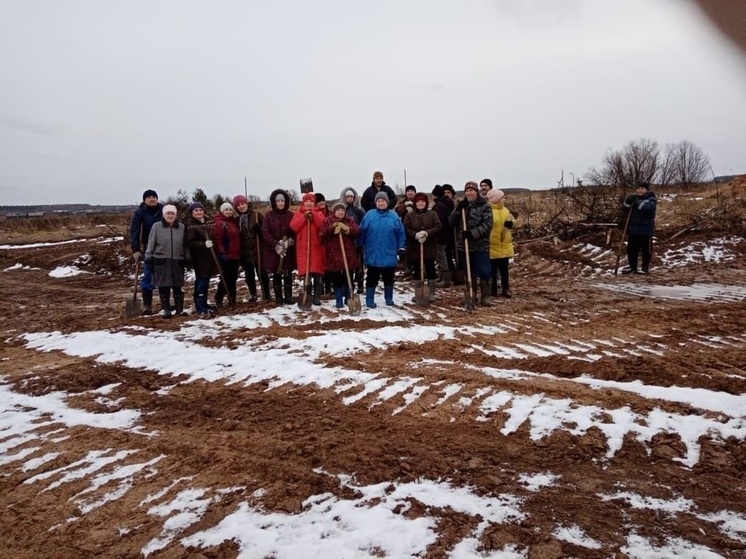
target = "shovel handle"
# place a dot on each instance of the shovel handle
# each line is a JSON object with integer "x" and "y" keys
{"x": 344, "y": 260}
{"x": 466, "y": 256}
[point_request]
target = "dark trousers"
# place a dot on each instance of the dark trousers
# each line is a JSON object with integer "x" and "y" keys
{"x": 375, "y": 273}
{"x": 430, "y": 272}
{"x": 230, "y": 273}
{"x": 635, "y": 245}
{"x": 479, "y": 263}
{"x": 500, "y": 272}
{"x": 339, "y": 279}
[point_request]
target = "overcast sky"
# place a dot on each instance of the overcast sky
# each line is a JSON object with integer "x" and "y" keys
{"x": 101, "y": 99}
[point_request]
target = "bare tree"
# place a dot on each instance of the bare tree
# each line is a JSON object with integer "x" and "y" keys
{"x": 688, "y": 163}
{"x": 637, "y": 162}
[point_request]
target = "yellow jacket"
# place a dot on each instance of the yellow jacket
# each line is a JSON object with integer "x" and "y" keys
{"x": 501, "y": 239}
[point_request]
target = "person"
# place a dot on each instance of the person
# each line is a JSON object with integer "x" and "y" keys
{"x": 250, "y": 228}
{"x": 226, "y": 236}
{"x": 150, "y": 211}
{"x": 306, "y": 224}
{"x": 501, "y": 242}
{"x": 406, "y": 204}
{"x": 477, "y": 230}
{"x": 378, "y": 185}
{"x": 383, "y": 237}
{"x": 354, "y": 211}
{"x": 198, "y": 230}
{"x": 443, "y": 207}
{"x": 326, "y": 279}
{"x": 422, "y": 227}
{"x": 166, "y": 257}
{"x": 335, "y": 224}
{"x": 279, "y": 246}
{"x": 484, "y": 187}
{"x": 640, "y": 211}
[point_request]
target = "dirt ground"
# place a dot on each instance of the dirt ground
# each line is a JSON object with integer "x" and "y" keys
{"x": 232, "y": 434}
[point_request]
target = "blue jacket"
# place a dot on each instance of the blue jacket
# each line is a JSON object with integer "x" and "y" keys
{"x": 642, "y": 220}
{"x": 142, "y": 221}
{"x": 382, "y": 235}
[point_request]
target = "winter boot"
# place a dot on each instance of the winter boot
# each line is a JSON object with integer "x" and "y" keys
{"x": 417, "y": 285}
{"x": 445, "y": 280}
{"x": 339, "y": 294}
{"x": 147, "y": 302}
{"x": 370, "y": 294}
{"x": 388, "y": 295}
{"x": 288, "y": 292}
{"x": 165, "y": 296}
{"x": 179, "y": 302}
{"x": 346, "y": 294}
{"x": 485, "y": 301}
{"x": 278, "y": 295}
{"x": 317, "y": 287}
{"x": 431, "y": 288}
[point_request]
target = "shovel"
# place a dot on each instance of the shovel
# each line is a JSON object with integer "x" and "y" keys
{"x": 422, "y": 293}
{"x": 222, "y": 277}
{"x": 304, "y": 301}
{"x": 132, "y": 305}
{"x": 458, "y": 273}
{"x": 353, "y": 301}
{"x": 469, "y": 293}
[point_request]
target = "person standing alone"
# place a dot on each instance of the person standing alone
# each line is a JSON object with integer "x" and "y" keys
{"x": 640, "y": 228}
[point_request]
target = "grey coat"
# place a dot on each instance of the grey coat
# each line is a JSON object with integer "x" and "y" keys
{"x": 167, "y": 253}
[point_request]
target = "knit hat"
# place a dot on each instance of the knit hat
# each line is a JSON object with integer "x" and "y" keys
{"x": 495, "y": 195}
{"x": 195, "y": 206}
{"x": 381, "y": 196}
{"x": 644, "y": 185}
{"x": 410, "y": 187}
{"x": 472, "y": 185}
{"x": 350, "y": 192}
{"x": 421, "y": 196}
{"x": 488, "y": 182}
{"x": 448, "y": 188}
{"x": 240, "y": 199}
{"x": 338, "y": 206}
{"x": 169, "y": 208}
{"x": 148, "y": 193}
{"x": 319, "y": 197}
{"x": 377, "y": 174}
{"x": 309, "y": 196}
{"x": 225, "y": 206}
{"x": 438, "y": 191}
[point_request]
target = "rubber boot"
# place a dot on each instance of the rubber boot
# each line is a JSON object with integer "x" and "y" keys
{"x": 370, "y": 294}
{"x": 485, "y": 301}
{"x": 417, "y": 285}
{"x": 288, "y": 291}
{"x": 339, "y": 294}
{"x": 431, "y": 287}
{"x": 165, "y": 296}
{"x": 277, "y": 285}
{"x": 346, "y": 294}
{"x": 388, "y": 295}
{"x": 147, "y": 302}
{"x": 317, "y": 287}
{"x": 200, "y": 304}
{"x": 445, "y": 280}
{"x": 179, "y": 302}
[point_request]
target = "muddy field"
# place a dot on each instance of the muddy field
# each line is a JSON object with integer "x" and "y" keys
{"x": 592, "y": 415}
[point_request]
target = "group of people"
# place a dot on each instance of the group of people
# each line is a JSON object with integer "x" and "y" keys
{"x": 364, "y": 236}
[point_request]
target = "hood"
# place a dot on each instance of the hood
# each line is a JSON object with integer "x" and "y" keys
{"x": 356, "y": 203}
{"x": 284, "y": 195}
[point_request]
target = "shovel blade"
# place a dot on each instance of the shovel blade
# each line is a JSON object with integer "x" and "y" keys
{"x": 422, "y": 296}
{"x": 132, "y": 307}
{"x": 354, "y": 304}
{"x": 304, "y": 301}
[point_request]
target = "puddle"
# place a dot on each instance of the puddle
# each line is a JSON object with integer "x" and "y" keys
{"x": 694, "y": 292}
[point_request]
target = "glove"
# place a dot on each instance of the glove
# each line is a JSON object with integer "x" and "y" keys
{"x": 280, "y": 248}
{"x": 223, "y": 258}
{"x": 468, "y": 235}
{"x": 509, "y": 224}
{"x": 208, "y": 243}
{"x": 308, "y": 215}
{"x": 289, "y": 243}
{"x": 137, "y": 255}
{"x": 421, "y": 236}
{"x": 408, "y": 206}
{"x": 343, "y": 228}
{"x": 629, "y": 199}
{"x": 462, "y": 205}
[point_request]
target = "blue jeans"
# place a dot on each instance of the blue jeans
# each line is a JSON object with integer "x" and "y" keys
{"x": 201, "y": 287}
{"x": 480, "y": 264}
{"x": 146, "y": 283}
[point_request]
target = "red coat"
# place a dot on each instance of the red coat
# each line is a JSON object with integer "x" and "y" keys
{"x": 301, "y": 226}
{"x": 226, "y": 237}
{"x": 334, "y": 261}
